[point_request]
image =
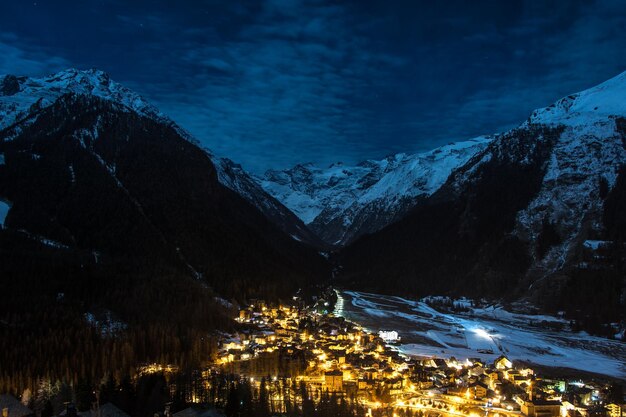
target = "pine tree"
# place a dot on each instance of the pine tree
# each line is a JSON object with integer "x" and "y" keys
{"x": 232, "y": 402}
{"x": 263, "y": 409}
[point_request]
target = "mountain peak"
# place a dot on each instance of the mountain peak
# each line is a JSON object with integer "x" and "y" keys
{"x": 22, "y": 98}
{"x": 74, "y": 73}
{"x": 20, "y": 93}
{"x": 343, "y": 202}
{"x": 599, "y": 102}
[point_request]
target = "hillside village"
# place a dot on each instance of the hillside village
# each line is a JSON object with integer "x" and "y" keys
{"x": 328, "y": 354}
{"x": 295, "y": 360}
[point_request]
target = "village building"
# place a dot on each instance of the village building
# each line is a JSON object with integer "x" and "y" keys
{"x": 333, "y": 381}
{"x": 11, "y": 407}
{"x": 540, "y": 408}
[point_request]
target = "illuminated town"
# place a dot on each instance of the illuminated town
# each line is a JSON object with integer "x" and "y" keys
{"x": 289, "y": 346}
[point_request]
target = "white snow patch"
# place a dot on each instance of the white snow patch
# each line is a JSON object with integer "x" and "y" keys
{"x": 52, "y": 243}
{"x": 596, "y": 244}
{"x": 296, "y": 238}
{"x": 72, "y": 173}
{"x": 105, "y": 323}
{"x": 4, "y": 211}
{"x": 223, "y": 302}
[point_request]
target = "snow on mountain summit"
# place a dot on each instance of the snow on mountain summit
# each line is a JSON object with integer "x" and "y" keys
{"x": 599, "y": 102}
{"x": 21, "y": 98}
{"x": 21, "y": 95}
{"x": 342, "y": 202}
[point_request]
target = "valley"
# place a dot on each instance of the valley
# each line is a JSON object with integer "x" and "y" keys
{"x": 132, "y": 237}
{"x": 484, "y": 332}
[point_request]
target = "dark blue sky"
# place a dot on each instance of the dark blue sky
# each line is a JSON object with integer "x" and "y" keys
{"x": 273, "y": 83}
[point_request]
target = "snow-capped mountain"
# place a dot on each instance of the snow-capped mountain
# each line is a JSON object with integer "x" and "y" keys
{"x": 95, "y": 182}
{"x": 341, "y": 203}
{"x": 233, "y": 176}
{"x": 20, "y": 97}
{"x": 541, "y": 207}
{"x": 583, "y": 167}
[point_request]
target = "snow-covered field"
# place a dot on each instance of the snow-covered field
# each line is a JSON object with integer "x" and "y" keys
{"x": 484, "y": 333}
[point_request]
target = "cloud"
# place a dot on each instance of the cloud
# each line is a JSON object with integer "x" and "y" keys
{"x": 276, "y": 82}
{"x": 546, "y": 66}
{"x": 19, "y": 58}
{"x": 286, "y": 87}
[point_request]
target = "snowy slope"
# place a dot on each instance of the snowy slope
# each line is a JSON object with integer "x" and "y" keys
{"x": 588, "y": 153}
{"x": 4, "y": 211}
{"x": 22, "y": 97}
{"x": 520, "y": 218}
{"x": 342, "y": 202}
{"x": 588, "y": 106}
{"x": 483, "y": 333}
{"x": 584, "y": 158}
{"x": 233, "y": 176}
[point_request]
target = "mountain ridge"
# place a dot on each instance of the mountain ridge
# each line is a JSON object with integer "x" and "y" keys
{"x": 341, "y": 203}
{"x": 516, "y": 220}
{"x": 72, "y": 133}
{"x": 22, "y": 96}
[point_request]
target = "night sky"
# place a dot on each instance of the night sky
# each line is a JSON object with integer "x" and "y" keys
{"x": 273, "y": 83}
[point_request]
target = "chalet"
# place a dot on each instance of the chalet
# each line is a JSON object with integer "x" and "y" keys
{"x": 340, "y": 355}
{"x": 451, "y": 375}
{"x": 395, "y": 383}
{"x": 521, "y": 380}
{"x": 350, "y": 388}
{"x": 244, "y": 315}
{"x": 616, "y": 410}
{"x": 425, "y": 383}
{"x": 540, "y": 408}
{"x": 580, "y": 396}
{"x": 503, "y": 363}
{"x": 440, "y": 363}
{"x": 477, "y": 369}
{"x": 478, "y": 390}
{"x": 570, "y": 410}
{"x": 476, "y": 361}
{"x": 493, "y": 375}
{"x": 363, "y": 383}
{"x": 333, "y": 381}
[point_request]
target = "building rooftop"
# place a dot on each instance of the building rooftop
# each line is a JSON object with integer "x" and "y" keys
{"x": 16, "y": 408}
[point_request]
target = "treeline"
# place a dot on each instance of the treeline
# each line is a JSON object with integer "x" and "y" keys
{"x": 74, "y": 352}
{"x": 235, "y": 396}
{"x": 241, "y": 397}
{"x": 67, "y": 320}
{"x": 142, "y": 396}
{"x": 74, "y": 322}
